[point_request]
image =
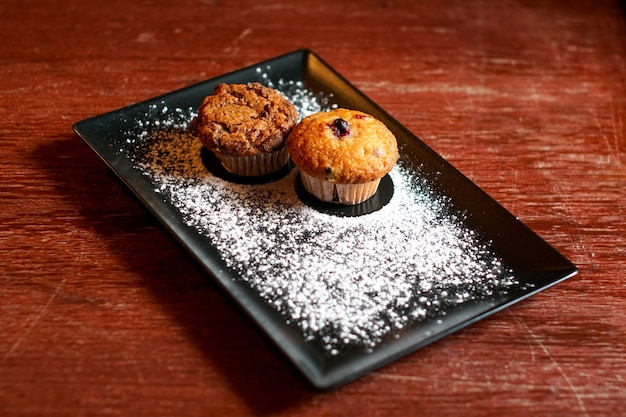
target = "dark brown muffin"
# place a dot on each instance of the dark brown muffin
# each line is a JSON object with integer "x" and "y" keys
{"x": 246, "y": 126}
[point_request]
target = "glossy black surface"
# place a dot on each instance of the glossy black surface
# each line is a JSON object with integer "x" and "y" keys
{"x": 533, "y": 260}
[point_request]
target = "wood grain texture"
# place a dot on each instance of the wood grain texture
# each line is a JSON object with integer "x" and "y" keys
{"x": 102, "y": 313}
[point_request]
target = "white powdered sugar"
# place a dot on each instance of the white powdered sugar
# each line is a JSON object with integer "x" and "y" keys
{"x": 344, "y": 282}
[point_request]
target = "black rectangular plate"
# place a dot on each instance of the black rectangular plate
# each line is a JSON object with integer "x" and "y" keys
{"x": 533, "y": 261}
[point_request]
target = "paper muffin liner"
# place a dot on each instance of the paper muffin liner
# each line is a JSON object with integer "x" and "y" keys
{"x": 255, "y": 165}
{"x": 347, "y": 194}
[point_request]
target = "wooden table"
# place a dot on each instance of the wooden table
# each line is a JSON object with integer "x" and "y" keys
{"x": 103, "y": 313}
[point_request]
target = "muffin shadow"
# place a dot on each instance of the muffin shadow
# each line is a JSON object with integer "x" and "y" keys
{"x": 381, "y": 198}
{"x": 212, "y": 164}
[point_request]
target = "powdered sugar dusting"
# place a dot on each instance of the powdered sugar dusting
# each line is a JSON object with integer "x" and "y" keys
{"x": 344, "y": 282}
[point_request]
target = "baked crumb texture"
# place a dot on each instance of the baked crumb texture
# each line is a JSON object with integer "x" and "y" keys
{"x": 342, "y": 154}
{"x": 343, "y": 146}
{"x": 244, "y": 120}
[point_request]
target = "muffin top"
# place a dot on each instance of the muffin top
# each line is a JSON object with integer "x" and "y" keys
{"x": 244, "y": 119}
{"x": 343, "y": 146}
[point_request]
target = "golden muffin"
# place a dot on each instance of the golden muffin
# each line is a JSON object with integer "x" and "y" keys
{"x": 342, "y": 154}
{"x": 246, "y": 126}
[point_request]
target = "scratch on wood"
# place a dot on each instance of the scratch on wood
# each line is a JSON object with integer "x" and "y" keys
{"x": 526, "y": 333}
{"x": 41, "y": 312}
{"x": 400, "y": 377}
{"x": 612, "y": 139}
{"x": 244, "y": 33}
{"x": 573, "y": 388}
{"x": 32, "y": 324}
{"x": 431, "y": 87}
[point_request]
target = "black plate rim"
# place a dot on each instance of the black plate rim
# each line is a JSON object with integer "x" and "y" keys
{"x": 334, "y": 372}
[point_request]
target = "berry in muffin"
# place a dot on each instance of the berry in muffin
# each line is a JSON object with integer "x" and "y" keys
{"x": 342, "y": 154}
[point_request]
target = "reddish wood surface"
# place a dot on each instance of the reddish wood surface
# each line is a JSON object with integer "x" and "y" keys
{"x": 102, "y": 313}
